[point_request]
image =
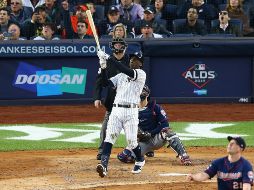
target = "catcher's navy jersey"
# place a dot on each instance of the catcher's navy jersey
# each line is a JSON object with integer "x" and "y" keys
{"x": 231, "y": 175}
{"x": 152, "y": 118}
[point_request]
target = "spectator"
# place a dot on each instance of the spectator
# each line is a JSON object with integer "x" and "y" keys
{"x": 161, "y": 10}
{"x": 12, "y": 34}
{"x": 206, "y": 12}
{"x": 20, "y": 13}
{"x": 106, "y": 26}
{"x": 233, "y": 171}
{"x": 70, "y": 21}
{"x": 173, "y": 2}
{"x": 251, "y": 16}
{"x": 119, "y": 31}
{"x": 192, "y": 26}
{"x": 3, "y": 4}
{"x": 147, "y": 31}
{"x": 81, "y": 31}
{"x": 157, "y": 25}
{"x": 235, "y": 11}
{"x": 224, "y": 26}
{"x": 48, "y": 30}
{"x": 33, "y": 3}
{"x": 66, "y": 5}
{"x": 53, "y": 11}
{"x": 91, "y": 7}
{"x": 106, "y": 4}
{"x": 5, "y": 20}
{"x": 33, "y": 27}
{"x": 143, "y": 3}
{"x": 130, "y": 11}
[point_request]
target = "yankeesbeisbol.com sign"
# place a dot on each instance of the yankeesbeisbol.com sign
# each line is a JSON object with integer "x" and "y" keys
{"x": 37, "y": 48}
{"x": 48, "y": 49}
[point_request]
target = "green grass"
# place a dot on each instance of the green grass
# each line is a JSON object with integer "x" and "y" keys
{"x": 69, "y": 131}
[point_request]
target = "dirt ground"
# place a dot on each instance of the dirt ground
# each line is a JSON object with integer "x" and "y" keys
{"x": 75, "y": 169}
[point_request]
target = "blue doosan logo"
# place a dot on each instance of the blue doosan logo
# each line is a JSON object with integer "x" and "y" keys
{"x": 50, "y": 82}
{"x": 200, "y": 92}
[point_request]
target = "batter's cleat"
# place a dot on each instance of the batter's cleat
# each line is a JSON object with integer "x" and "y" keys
{"x": 150, "y": 154}
{"x": 185, "y": 160}
{"x": 98, "y": 157}
{"x": 138, "y": 167}
{"x": 101, "y": 170}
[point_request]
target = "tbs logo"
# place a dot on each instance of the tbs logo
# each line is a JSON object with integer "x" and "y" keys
{"x": 199, "y": 75}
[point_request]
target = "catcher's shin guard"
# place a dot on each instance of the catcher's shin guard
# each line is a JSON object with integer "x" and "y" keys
{"x": 176, "y": 144}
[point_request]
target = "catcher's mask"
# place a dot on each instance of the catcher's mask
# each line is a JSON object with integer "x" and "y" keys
{"x": 145, "y": 93}
{"x": 118, "y": 41}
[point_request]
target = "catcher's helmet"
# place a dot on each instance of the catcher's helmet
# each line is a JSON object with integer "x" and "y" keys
{"x": 118, "y": 41}
{"x": 145, "y": 93}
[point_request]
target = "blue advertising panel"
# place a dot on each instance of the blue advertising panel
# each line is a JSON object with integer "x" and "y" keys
{"x": 201, "y": 77}
{"x": 48, "y": 78}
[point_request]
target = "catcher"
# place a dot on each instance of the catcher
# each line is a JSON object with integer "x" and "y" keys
{"x": 154, "y": 131}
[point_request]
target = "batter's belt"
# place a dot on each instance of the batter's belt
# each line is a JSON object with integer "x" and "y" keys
{"x": 125, "y": 105}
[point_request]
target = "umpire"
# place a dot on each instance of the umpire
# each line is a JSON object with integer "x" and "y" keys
{"x": 118, "y": 46}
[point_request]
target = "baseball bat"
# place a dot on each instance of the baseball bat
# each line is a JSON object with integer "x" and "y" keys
{"x": 91, "y": 22}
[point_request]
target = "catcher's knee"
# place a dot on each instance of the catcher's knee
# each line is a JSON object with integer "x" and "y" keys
{"x": 126, "y": 156}
{"x": 168, "y": 134}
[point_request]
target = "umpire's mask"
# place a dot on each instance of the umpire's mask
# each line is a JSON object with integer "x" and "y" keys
{"x": 118, "y": 45}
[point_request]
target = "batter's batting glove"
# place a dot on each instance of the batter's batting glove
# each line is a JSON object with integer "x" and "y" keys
{"x": 102, "y": 55}
{"x": 103, "y": 63}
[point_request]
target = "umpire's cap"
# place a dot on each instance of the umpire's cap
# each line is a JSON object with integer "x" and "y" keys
{"x": 239, "y": 140}
{"x": 145, "y": 93}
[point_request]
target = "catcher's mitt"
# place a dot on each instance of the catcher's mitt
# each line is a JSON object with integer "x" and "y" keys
{"x": 143, "y": 136}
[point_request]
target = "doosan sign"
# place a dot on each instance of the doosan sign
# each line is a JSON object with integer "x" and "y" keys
{"x": 50, "y": 82}
{"x": 50, "y": 79}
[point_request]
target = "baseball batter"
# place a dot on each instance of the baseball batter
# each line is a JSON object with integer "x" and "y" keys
{"x": 124, "y": 114}
{"x": 233, "y": 171}
{"x": 154, "y": 131}
{"x": 110, "y": 92}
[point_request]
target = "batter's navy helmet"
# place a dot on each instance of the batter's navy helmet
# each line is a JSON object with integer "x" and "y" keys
{"x": 138, "y": 55}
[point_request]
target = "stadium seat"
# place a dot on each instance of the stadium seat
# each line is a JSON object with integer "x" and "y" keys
{"x": 222, "y": 7}
{"x": 172, "y": 10}
{"x": 105, "y": 36}
{"x": 220, "y": 35}
{"x": 182, "y": 35}
{"x": 100, "y": 11}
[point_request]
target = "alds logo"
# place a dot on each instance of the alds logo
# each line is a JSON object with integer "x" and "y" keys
{"x": 199, "y": 75}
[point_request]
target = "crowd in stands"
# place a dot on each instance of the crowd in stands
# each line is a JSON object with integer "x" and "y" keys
{"x": 66, "y": 19}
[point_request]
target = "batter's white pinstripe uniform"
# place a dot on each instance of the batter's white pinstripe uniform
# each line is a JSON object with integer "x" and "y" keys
{"x": 124, "y": 114}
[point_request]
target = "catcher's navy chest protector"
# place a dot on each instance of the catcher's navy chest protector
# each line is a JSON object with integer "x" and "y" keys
{"x": 148, "y": 117}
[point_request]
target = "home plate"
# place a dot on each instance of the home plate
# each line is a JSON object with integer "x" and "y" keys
{"x": 173, "y": 174}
